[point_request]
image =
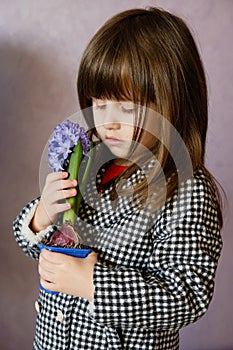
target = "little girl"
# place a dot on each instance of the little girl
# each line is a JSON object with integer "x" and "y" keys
{"x": 151, "y": 211}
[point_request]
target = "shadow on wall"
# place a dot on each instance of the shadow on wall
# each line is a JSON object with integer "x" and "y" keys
{"x": 31, "y": 87}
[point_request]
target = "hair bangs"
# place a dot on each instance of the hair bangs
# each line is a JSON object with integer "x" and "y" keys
{"x": 113, "y": 68}
{"x": 109, "y": 77}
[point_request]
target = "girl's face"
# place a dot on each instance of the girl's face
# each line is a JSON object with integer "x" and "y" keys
{"x": 114, "y": 122}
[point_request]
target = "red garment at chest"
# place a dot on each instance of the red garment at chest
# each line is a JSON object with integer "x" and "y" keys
{"x": 111, "y": 173}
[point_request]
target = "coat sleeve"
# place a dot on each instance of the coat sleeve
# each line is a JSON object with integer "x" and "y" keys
{"x": 177, "y": 286}
{"x": 25, "y": 237}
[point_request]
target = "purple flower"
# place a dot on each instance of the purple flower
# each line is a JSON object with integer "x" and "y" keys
{"x": 66, "y": 135}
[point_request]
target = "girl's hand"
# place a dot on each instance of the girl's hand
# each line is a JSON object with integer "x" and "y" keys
{"x": 67, "y": 274}
{"x": 56, "y": 189}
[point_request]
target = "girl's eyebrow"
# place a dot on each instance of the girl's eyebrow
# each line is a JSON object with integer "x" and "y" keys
{"x": 96, "y": 100}
{"x": 127, "y": 103}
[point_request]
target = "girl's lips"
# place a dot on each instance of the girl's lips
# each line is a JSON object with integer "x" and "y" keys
{"x": 112, "y": 141}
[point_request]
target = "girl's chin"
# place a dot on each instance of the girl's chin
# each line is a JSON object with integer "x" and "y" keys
{"x": 118, "y": 151}
{"x": 120, "y": 155}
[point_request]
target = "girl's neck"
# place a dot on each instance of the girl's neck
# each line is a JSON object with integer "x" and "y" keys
{"x": 121, "y": 162}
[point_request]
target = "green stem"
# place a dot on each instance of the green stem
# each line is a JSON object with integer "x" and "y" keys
{"x": 84, "y": 179}
{"x": 75, "y": 160}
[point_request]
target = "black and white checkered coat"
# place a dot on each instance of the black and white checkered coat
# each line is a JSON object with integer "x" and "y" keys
{"x": 155, "y": 274}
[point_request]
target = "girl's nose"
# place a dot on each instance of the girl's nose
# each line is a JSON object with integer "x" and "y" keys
{"x": 111, "y": 117}
{"x": 112, "y": 125}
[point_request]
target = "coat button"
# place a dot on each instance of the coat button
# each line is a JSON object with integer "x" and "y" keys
{"x": 37, "y": 306}
{"x": 60, "y": 316}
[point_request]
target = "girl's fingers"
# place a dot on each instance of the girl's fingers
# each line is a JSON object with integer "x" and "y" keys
{"x": 46, "y": 259}
{"x": 60, "y": 185}
{"x": 46, "y": 284}
{"x": 56, "y": 190}
{"x": 59, "y": 190}
{"x": 52, "y": 259}
{"x": 63, "y": 184}
{"x": 47, "y": 277}
{"x": 63, "y": 194}
{"x": 45, "y": 273}
{"x": 59, "y": 208}
{"x": 52, "y": 203}
{"x": 55, "y": 209}
{"x": 56, "y": 176}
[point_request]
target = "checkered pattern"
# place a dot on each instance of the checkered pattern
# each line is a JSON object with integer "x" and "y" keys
{"x": 155, "y": 273}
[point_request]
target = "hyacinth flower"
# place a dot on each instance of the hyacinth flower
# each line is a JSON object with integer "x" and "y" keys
{"x": 67, "y": 147}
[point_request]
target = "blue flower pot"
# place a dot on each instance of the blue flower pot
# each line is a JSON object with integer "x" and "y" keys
{"x": 76, "y": 252}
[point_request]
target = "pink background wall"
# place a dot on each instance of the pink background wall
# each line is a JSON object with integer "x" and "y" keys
{"x": 40, "y": 47}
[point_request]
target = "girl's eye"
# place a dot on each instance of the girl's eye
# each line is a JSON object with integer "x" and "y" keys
{"x": 100, "y": 106}
{"x": 128, "y": 108}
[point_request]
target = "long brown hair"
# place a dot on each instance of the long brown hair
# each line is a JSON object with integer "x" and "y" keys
{"x": 149, "y": 56}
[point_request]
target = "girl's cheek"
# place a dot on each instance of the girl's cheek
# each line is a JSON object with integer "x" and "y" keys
{"x": 99, "y": 131}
